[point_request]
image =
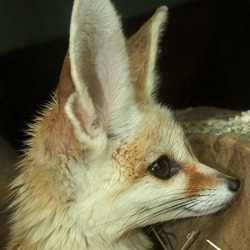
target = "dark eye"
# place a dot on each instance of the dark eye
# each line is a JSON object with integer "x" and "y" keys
{"x": 163, "y": 168}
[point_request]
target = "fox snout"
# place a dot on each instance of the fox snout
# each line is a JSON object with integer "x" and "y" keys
{"x": 208, "y": 190}
{"x": 232, "y": 184}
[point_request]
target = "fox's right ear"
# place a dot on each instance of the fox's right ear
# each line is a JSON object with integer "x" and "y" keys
{"x": 95, "y": 90}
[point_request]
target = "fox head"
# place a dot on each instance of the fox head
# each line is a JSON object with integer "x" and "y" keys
{"x": 105, "y": 158}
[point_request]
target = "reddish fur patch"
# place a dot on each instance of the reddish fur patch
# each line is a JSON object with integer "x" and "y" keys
{"x": 131, "y": 158}
{"x": 65, "y": 87}
{"x": 52, "y": 146}
{"x": 35, "y": 184}
{"x": 54, "y": 132}
{"x": 197, "y": 180}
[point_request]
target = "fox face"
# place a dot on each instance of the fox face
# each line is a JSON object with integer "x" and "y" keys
{"x": 105, "y": 158}
{"x": 163, "y": 181}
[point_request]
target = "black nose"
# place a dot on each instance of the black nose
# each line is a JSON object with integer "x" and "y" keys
{"x": 233, "y": 184}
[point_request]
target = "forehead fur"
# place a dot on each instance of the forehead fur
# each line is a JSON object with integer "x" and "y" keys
{"x": 161, "y": 133}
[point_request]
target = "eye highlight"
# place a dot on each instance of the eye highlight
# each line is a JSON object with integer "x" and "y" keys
{"x": 164, "y": 168}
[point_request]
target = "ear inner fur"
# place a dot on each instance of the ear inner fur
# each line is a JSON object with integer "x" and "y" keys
{"x": 142, "y": 49}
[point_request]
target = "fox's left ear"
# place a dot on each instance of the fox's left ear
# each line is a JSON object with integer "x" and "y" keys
{"x": 95, "y": 90}
{"x": 143, "y": 50}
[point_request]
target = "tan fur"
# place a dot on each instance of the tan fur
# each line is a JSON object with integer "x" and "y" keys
{"x": 85, "y": 180}
{"x": 142, "y": 51}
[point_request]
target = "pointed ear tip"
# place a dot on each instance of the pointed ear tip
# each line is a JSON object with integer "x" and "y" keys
{"x": 162, "y": 12}
{"x": 163, "y": 8}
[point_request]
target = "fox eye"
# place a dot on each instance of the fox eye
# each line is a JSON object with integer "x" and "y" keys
{"x": 163, "y": 168}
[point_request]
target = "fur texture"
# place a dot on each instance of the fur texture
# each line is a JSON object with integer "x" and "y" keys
{"x": 92, "y": 174}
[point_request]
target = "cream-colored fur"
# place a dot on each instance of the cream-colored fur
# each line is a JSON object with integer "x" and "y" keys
{"x": 86, "y": 179}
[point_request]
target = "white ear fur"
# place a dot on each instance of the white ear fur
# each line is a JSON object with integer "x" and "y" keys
{"x": 103, "y": 99}
{"x": 143, "y": 51}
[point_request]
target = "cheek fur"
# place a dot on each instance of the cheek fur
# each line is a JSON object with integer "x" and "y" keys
{"x": 130, "y": 160}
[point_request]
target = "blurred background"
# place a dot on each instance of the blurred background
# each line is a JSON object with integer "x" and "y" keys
{"x": 205, "y": 55}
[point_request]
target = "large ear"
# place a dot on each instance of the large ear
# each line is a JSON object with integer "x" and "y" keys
{"x": 143, "y": 51}
{"x": 95, "y": 85}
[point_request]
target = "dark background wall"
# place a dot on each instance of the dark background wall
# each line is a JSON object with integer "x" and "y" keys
{"x": 205, "y": 57}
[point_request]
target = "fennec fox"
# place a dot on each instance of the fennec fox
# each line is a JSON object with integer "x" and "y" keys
{"x": 106, "y": 159}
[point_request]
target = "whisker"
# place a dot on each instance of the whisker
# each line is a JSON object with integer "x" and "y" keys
{"x": 144, "y": 214}
{"x": 142, "y": 210}
{"x": 176, "y": 206}
{"x": 151, "y": 227}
